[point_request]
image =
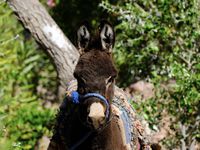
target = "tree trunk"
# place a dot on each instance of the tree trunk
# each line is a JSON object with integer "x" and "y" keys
{"x": 43, "y": 28}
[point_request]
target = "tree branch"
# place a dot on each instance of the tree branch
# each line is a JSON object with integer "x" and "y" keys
{"x": 43, "y": 28}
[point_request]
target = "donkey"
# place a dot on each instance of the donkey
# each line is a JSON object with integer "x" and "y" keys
{"x": 83, "y": 122}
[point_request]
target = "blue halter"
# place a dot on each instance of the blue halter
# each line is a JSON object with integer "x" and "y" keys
{"x": 77, "y": 98}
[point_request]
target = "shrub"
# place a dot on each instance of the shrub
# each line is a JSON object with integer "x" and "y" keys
{"x": 23, "y": 67}
{"x": 158, "y": 41}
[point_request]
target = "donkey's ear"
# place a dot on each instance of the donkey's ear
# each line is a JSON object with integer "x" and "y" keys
{"x": 107, "y": 36}
{"x": 83, "y": 37}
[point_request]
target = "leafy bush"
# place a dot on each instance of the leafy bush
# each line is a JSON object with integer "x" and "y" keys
{"x": 158, "y": 41}
{"x": 23, "y": 67}
{"x": 26, "y": 123}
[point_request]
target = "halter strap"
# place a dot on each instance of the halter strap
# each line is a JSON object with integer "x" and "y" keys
{"x": 77, "y": 98}
{"x": 100, "y": 97}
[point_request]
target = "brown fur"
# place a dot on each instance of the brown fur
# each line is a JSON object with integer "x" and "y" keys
{"x": 95, "y": 72}
{"x": 95, "y": 67}
{"x": 92, "y": 70}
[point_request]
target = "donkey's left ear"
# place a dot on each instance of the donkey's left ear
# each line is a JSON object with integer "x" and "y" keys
{"x": 83, "y": 37}
{"x": 107, "y": 36}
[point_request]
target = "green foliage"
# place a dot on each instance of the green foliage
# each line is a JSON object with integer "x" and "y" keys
{"x": 23, "y": 67}
{"x": 158, "y": 41}
{"x": 151, "y": 35}
{"x": 28, "y": 124}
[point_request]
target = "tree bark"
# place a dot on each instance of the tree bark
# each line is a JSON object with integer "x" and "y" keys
{"x": 43, "y": 28}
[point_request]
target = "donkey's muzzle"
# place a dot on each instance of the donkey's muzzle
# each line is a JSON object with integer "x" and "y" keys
{"x": 98, "y": 110}
{"x": 96, "y": 116}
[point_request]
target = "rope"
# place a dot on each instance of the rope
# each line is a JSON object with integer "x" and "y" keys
{"x": 81, "y": 141}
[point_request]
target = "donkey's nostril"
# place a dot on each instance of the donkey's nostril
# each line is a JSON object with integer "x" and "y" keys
{"x": 97, "y": 121}
{"x": 89, "y": 120}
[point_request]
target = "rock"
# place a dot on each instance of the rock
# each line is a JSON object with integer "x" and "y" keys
{"x": 143, "y": 88}
{"x": 43, "y": 143}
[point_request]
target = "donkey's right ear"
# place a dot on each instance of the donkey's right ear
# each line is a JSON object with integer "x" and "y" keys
{"x": 83, "y": 37}
{"x": 107, "y": 36}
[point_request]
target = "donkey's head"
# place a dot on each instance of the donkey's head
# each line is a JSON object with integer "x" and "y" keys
{"x": 95, "y": 73}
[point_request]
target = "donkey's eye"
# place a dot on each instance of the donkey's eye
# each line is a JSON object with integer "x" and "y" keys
{"x": 82, "y": 80}
{"x": 110, "y": 80}
{"x": 81, "y": 90}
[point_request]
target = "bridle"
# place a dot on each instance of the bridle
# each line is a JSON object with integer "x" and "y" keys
{"x": 77, "y": 98}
